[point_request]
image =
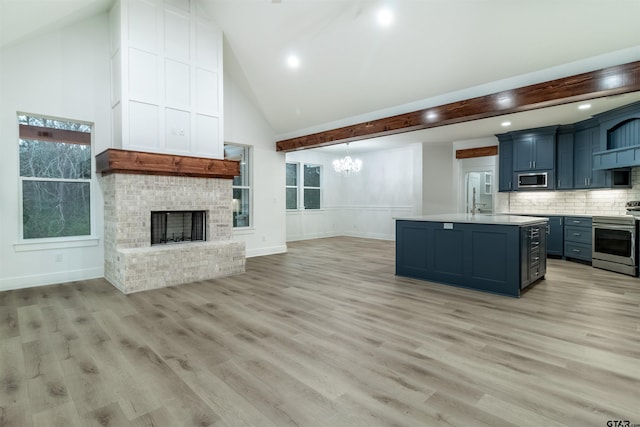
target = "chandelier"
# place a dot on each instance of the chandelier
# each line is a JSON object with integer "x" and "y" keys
{"x": 347, "y": 166}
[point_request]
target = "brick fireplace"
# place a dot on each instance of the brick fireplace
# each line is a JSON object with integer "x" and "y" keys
{"x": 136, "y": 184}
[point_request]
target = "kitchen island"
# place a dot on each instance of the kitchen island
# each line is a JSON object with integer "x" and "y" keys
{"x": 501, "y": 254}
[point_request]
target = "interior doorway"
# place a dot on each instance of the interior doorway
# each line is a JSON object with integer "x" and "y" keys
{"x": 479, "y": 186}
{"x": 477, "y": 174}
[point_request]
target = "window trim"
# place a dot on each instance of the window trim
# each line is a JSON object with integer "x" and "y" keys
{"x": 62, "y": 242}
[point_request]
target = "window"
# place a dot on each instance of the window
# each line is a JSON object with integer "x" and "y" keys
{"x": 308, "y": 185}
{"x": 311, "y": 187}
{"x": 241, "y": 184}
{"x": 55, "y": 177}
{"x": 292, "y": 186}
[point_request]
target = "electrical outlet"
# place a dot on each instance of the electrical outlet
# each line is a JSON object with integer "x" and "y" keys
{"x": 58, "y": 257}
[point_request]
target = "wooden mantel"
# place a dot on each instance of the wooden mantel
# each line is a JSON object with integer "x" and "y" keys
{"x": 136, "y": 162}
{"x": 595, "y": 84}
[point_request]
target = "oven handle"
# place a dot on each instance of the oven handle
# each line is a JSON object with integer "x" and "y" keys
{"x": 629, "y": 228}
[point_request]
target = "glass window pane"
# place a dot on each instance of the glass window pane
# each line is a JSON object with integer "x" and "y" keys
{"x": 292, "y": 174}
{"x": 311, "y": 176}
{"x": 311, "y": 198}
{"x": 292, "y": 198}
{"x": 55, "y": 209}
{"x": 240, "y": 207}
{"x": 43, "y": 159}
{"x": 241, "y": 154}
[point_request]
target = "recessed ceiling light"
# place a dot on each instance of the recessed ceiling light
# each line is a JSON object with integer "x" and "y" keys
{"x": 584, "y": 106}
{"x": 293, "y": 61}
{"x": 505, "y": 124}
{"x": 385, "y": 17}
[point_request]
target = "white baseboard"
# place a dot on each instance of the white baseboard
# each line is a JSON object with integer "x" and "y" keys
{"x": 22, "y": 282}
{"x": 266, "y": 251}
{"x": 298, "y": 237}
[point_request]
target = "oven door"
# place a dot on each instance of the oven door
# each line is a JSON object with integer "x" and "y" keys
{"x": 615, "y": 243}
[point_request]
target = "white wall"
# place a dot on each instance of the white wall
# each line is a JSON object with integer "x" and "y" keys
{"x": 439, "y": 191}
{"x": 64, "y": 73}
{"x": 389, "y": 185}
{"x": 245, "y": 125}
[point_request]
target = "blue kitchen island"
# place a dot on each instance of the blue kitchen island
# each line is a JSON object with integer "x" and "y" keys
{"x": 502, "y": 254}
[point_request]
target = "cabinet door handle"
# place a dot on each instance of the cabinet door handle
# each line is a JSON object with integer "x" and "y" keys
{"x": 577, "y": 222}
{"x": 534, "y": 164}
{"x": 536, "y": 258}
{"x": 577, "y": 234}
{"x": 577, "y": 250}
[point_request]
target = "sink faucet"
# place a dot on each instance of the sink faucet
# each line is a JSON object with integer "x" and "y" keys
{"x": 473, "y": 202}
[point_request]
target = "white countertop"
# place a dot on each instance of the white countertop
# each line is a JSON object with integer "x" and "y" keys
{"x": 550, "y": 214}
{"x": 477, "y": 219}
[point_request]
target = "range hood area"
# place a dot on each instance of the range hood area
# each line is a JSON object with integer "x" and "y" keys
{"x": 620, "y": 138}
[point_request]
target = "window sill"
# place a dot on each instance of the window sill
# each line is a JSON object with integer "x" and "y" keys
{"x": 55, "y": 243}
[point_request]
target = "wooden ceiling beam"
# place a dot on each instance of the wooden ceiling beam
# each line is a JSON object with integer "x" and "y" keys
{"x": 609, "y": 81}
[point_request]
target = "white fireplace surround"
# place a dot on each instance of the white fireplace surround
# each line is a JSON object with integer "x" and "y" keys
{"x": 132, "y": 264}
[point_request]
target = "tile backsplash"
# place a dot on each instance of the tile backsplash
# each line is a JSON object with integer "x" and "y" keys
{"x": 597, "y": 202}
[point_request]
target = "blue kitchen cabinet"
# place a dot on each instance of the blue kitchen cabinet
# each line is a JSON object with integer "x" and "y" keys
{"x": 577, "y": 238}
{"x": 534, "y": 149}
{"x": 586, "y": 142}
{"x": 490, "y": 257}
{"x": 565, "y": 160}
{"x": 555, "y": 237}
{"x": 505, "y": 163}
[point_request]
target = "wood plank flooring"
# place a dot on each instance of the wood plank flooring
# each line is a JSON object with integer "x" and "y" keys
{"x": 325, "y": 335}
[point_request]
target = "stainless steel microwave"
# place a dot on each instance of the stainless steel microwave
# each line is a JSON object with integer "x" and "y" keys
{"x": 533, "y": 180}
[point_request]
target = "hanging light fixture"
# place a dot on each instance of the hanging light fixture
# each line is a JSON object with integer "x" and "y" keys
{"x": 347, "y": 166}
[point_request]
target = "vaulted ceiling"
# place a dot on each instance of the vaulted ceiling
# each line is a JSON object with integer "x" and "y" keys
{"x": 350, "y": 66}
{"x": 434, "y": 51}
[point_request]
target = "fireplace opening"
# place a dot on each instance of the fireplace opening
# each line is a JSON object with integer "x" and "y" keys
{"x": 177, "y": 227}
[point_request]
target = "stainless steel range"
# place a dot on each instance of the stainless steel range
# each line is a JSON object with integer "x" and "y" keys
{"x": 614, "y": 243}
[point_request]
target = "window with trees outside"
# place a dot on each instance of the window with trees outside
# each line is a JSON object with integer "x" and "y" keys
{"x": 308, "y": 185}
{"x": 55, "y": 177}
{"x": 292, "y": 186}
{"x": 241, "y": 184}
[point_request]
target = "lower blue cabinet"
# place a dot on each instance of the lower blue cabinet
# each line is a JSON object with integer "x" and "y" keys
{"x": 577, "y": 238}
{"x": 555, "y": 237}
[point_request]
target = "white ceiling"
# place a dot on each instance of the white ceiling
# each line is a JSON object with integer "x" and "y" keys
{"x": 23, "y": 19}
{"x": 351, "y": 67}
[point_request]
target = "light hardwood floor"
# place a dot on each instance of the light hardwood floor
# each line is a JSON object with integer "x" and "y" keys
{"x": 325, "y": 335}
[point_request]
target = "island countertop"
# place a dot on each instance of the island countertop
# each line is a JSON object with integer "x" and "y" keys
{"x": 517, "y": 220}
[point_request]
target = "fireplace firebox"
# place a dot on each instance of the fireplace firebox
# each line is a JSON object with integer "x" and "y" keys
{"x": 177, "y": 227}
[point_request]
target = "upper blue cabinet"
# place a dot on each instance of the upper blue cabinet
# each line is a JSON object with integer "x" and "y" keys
{"x": 619, "y": 134}
{"x": 593, "y": 153}
{"x": 586, "y": 142}
{"x": 505, "y": 159}
{"x": 534, "y": 149}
